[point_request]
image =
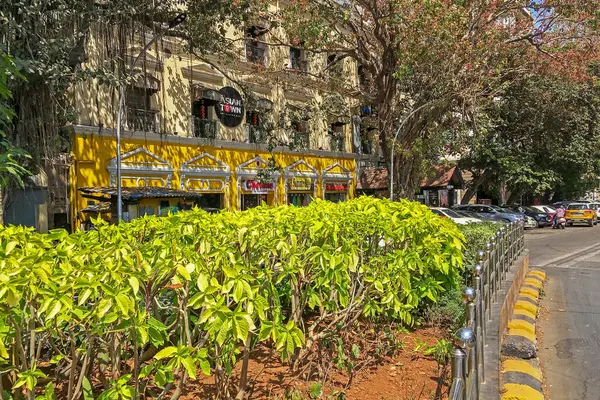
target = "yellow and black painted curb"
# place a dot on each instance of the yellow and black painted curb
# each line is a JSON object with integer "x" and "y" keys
{"x": 521, "y": 373}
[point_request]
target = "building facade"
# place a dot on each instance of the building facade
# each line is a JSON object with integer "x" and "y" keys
{"x": 229, "y": 137}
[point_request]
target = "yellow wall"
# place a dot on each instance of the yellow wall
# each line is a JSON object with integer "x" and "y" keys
{"x": 93, "y": 152}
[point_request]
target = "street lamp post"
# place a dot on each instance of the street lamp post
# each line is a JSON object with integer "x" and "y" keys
{"x": 175, "y": 22}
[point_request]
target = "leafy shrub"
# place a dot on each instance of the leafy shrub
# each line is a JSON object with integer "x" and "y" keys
{"x": 448, "y": 312}
{"x": 476, "y": 237}
{"x": 131, "y": 307}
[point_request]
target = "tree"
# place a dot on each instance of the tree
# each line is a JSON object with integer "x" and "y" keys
{"x": 540, "y": 136}
{"x": 11, "y": 158}
{"x": 430, "y": 65}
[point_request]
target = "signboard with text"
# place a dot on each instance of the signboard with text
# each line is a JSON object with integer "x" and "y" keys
{"x": 258, "y": 187}
{"x": 300, "y": 184}
{"x": 336, "y": 187}
{"x": 230, "y": 109}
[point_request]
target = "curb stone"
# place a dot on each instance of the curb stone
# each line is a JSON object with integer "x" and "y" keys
{"x": 520, "y": 369}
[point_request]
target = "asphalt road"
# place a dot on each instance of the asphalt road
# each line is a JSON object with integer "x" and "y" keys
{"x": 570, "y": 317}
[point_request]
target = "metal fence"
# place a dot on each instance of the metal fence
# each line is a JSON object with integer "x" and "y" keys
{"x": 489, "y": 274}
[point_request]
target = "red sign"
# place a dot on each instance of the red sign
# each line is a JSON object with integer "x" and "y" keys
{"x": 256, "y": 186}
{"x": 336, "y": 187}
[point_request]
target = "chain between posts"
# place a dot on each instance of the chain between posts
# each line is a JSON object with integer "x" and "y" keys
{"x": 493, "y": 264}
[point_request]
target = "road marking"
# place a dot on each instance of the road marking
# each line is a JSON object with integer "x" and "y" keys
{"x": 514, "y": 391}
{"x": 572, "y": 264}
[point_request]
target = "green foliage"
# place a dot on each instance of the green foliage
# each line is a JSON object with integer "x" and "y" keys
{"x": 441, "y": 351}
{"x": 315, "y": 390}
{"x": 196, "y": 290}
{"x": 448, "y": 312}
{"x": 476, "y": 237}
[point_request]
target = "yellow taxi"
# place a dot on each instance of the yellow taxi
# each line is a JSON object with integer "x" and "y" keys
{"x": 580, "y": 213}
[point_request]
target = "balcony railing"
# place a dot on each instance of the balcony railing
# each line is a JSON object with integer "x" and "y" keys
{"x": 142, "y": 120}
{"x": 298, "y": 64}
{"x": 256, "y": 134}
{"x": 301, "y": 140}
{"x": 204, "y": 128}
{"x": 256, "y": 52}
{"x": 336, "y": 143}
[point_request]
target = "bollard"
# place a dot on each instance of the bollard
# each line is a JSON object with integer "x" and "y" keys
{"x": 488, "y": 282}
{"x": 480, "y": 326}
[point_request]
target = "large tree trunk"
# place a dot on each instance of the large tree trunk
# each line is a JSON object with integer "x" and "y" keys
{"x": 473, "y": 187}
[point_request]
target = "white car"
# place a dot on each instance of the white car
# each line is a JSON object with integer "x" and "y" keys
{"x": 596, "y": 206}
{"x": 448, "y": 213}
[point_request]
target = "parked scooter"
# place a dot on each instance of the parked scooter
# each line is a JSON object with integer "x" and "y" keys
{"x": 560, "y": 224}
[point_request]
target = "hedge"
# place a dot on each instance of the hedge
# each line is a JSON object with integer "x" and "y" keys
{"x": 136, "y": 309}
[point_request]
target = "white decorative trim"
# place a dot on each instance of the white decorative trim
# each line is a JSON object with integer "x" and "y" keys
{"x": 242, "y": 171}
{"x": 193, "y": 171}
{"x": 289, "y": 173}
{"x": 345, "y": 176}
{"x": 141, "y": 170}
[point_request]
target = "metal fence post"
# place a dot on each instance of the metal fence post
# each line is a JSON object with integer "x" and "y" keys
{"x": 480, "y": 329}
{"x": 469, "y": 295}
{"x": 463, "y": 340}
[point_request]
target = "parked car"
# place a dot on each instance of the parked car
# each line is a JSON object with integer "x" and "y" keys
{"x": 488, "y": 212}
{"x": 564, "y": 204}
{"x": 530, "y": 222}
{"x": 541, "y": 217}
{"x": 596, "y": 206}
{"x": 547, "y": 209}
{"x": 454, "y": 216}
{"x": 468, "y": 214}
{"x": 580, "y": 213}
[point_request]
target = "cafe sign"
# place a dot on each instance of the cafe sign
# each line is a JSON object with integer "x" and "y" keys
{"x": 230, "y": 109}
{"x": 258, "y": 187}
{"x": 301, "y": 184}
{"x": 336, "y": 187}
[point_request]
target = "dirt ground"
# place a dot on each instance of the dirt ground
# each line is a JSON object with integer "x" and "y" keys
{"x": 408, "y": 374}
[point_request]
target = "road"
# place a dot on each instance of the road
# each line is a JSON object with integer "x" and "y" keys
{"x": 570, "y": 317}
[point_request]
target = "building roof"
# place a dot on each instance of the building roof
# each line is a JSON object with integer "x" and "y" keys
{"x": 98, "y": 207}
{"x": 443, "y": 176}
{"x": 373, "y": 178}
{"x": 137, "y": 193}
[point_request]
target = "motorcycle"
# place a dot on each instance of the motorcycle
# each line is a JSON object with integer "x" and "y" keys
{"x": 560, "y": 224}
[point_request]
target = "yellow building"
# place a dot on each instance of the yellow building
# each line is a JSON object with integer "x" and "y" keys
{"x": 193, "y": 135}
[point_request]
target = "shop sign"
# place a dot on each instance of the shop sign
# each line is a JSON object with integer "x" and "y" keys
{"x": 336, "y": 187}
{"x": 230, "y": 109}
{"x": 301, "y": 184}
{"x": 258, "y": 187}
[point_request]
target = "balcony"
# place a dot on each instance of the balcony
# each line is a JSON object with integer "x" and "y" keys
{"x": 336, "y": 143}
{"x": 141, "y": 120}
{"x": 256, "y": 134}
{"x": 256, "y": 52}
{"x": 204, "y": 128}
{"x": 301, "y": 140}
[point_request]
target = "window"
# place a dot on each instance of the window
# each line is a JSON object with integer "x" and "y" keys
{"x": 256, "y": 132}
{"x": 301, "y": 134}
{"x": 141, "y": 116}
{"x": 256, "y": 49}
{"x": 334, "y": 64}
{"x": 336, "y": 136}
{"x": 204, "y": 124}
{"x": 297, "y": 60}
